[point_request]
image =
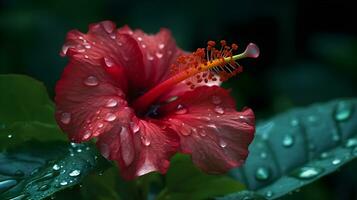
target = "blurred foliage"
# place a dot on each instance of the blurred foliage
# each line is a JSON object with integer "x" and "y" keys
{"x": 307, "y": 50}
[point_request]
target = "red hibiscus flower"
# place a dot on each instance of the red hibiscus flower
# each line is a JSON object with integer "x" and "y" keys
{"x": 144, "y": 99}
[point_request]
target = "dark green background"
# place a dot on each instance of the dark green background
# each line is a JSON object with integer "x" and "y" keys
{"x": 308, "y": 49}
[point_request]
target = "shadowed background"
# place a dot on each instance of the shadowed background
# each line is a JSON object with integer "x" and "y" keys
{"x": 308, "y": 50}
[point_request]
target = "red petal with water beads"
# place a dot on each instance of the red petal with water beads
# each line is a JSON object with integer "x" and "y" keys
{"x": 139, "y": 147}
{"x": 210, "y": 129}
{"x": 90, "y": 104}
{"x": 145, "y": 59}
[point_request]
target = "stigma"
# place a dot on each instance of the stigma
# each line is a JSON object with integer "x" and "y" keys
{"x": 203, "y": 65}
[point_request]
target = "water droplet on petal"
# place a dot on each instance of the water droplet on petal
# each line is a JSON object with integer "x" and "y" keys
{"x": 113, "y": 36}
{"x": 100, "y": 125}
{"x": 65, "y": 49}
{"x": 307, "y": 172}
{"x": 150, "y": 57}
{"x": 128, "y": 152}
{"x": 63, "y": 183}
{"x": 219, "y": 110}
{"x": 161, "y": 46}
{"x": 216, "y": 100}
{"x": 180, "y": 110}
{"x": 212, "y": 126}
{"x": 159, "y": 55}
{"x": 336, "y": 161}
{"x": 75, "y": 173}
{"x": 202, "y": 132}
{"x": 134, "y": 127}
{"x": 143, "y": 46}
{"x": 110, "y": 117}
{"x": 111, "y": 103}
{"x": 185, "y": 130}
{"x": 108, "y": 62}
{"x": 7, "y": 184}
{"x": 262, "y": 174}
{"x": 343, "y": 111}
{"x": 87, "y": 134}
{"x": 222, "y": 143}
{"x": 145, "y": 140}
{"x": 65, "y": 118}
{"x": 288, "y": 141}
{"x": 108, "y": 27}
{"x": 86, "y": 56}
{"x": 352, "y": 142}
{"x": 91, "y": 81}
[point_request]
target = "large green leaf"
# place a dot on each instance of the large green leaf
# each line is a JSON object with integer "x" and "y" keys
{"x": 185, "y": 181}
{"x": 36, "y": 170}
{"x": 26, "y": 112}
{"x": 298, "y": 147}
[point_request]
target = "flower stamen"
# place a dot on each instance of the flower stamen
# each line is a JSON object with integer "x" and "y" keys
{"x": 203, "y": 64}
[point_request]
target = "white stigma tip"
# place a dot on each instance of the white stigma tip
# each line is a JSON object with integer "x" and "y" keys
{"x": 252, "y": 51}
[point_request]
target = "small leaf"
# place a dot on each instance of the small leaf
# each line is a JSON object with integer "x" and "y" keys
{"x": 26, "y": 112}
{"x": 298, "y": 147}
{"x": 185, "y": 181}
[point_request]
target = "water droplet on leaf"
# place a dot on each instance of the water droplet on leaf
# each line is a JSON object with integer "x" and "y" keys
{"x": 262, "y": 174}
{"x": 352, "y": 142}
{"x": 336, "y": 161}
{"x": 307, "y": 172}
{"x": 56, "y": 167}
{"x": 269, "y": 194}
{"x": 75, "y": 173}
{"x": 343, "y": 111}
{"x": 63, "y": 183}
{"x": 288, "y": 141}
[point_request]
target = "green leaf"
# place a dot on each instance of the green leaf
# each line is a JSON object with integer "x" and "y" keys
{"x": 298, "y": 147}
{"x": 37, "y": 170}
{"x": 185, "y": 181}
{"x": 26, "y": 112}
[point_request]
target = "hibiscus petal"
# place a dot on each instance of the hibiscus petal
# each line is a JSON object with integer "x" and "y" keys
{"x": 86, "y": 98}
{"x": 145, "y": 58}
{"x": 139, "y": 147}
{"x": 210, "y": 129}
{"x": 159, "y": 52}
{"x": 91, "y": 104}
